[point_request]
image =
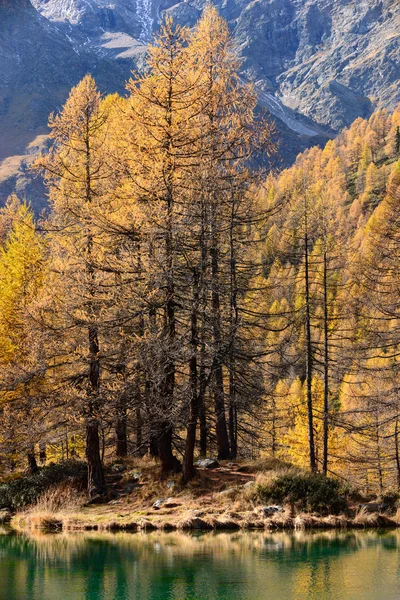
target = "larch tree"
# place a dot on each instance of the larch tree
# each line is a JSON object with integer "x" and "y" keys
{"x": 77, "y": 172}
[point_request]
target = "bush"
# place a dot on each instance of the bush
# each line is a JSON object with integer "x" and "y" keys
{"x": 26, "y": 490}
{"x": 308, "y": 492}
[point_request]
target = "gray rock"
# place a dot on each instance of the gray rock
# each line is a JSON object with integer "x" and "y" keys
{"x": 228, "y": 492}
{"x": 207, "y": 463}
{"x": 118, "y": 468}
{"x": 158, "y": 503}
{"x": 268, "y": 511}
{"x": 130, "y": 487}
{"x": 249, "y": 485}
{"x": 171, "y": 503}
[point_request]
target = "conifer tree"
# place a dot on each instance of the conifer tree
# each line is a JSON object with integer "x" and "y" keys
{"x": 77, "y": 172}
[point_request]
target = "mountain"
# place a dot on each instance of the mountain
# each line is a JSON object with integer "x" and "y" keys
{"x": 38, "y": 66}
{"x": 317, "y": 64}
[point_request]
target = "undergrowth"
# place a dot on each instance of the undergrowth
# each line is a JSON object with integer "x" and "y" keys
{"x": 305, "y": 491}
{"x": 24, "y": 491}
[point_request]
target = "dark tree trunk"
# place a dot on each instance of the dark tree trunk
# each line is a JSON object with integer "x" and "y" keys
{"x": 121, "y": 433}
{"x": 140, "y": 449}
{"x": 202, "y": 413}
{"x": 233, "y": 428}
{"x": 326, "y": 371}
{"x": 311, "y": 445}
{"x": 203, "y": 316}
{"x": 153, "y": 445}
{"x": 273, "y": 429}
{"x": 188, "y": 467}
{"x": 234, "y": 320}
{"x": 42, "y": 452}
{"x": 218, "y": 378}
{"x": 379, "y": 457}
{"x": 32, "y": 464}
{"x": 96, "y": 480}
{"x": 397, "y": 453}
{"x": 121, "y": 443}
{"x": 169, "y": 463}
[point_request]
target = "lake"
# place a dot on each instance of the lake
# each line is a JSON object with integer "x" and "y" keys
{"x": 210, "y": 566}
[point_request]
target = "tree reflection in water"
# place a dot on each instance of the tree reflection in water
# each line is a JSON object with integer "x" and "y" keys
{"x": 211, "y": 566}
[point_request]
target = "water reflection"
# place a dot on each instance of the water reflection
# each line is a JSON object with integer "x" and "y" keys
{"x": 239, "y": 566}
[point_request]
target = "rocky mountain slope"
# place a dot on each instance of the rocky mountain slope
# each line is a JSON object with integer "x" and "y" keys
{"x": 317, "y": 64}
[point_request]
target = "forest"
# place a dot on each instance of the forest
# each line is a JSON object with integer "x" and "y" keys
{"x": 183, "y": 298}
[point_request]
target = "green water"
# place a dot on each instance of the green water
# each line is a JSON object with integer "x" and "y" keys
{"x": 243, "y": 566}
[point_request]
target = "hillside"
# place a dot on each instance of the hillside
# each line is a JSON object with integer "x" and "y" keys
{"x": 317, "y": 64}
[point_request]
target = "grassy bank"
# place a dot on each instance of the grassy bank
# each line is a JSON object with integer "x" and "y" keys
{"x": 261, "y": 495}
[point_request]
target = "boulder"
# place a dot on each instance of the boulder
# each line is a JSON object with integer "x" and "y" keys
{"x": 268, "y": 511}
{"x": 158, "y": 503}
{"x": 171, "y": 503}
{"x": 249, "y": 485}
{"x": 118, "y": 468}
{"x": 207, "y": 463}
{"x": 130, "y": 487}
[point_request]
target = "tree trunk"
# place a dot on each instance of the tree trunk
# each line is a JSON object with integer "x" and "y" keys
{"x": 153, "y": 445}
{"x": 188, "y": 468}
{"x": 326, "y": 371}
{"x": 121, "y": 437}
{"x": 218, "y": 379}
{"x": 32, "y": 464}
{"x": 96, "y": 480}
{"x": 378, "y": 456}
{"x": 233, "y": 325}
{"x": 169, "y": 463}
{"x": 396, "y": 441}
{"x": 203, "y": 315}
{"x": 121, "y": 432}
{"x": 42, "y": 452}
{"x": 140, "y": 449}
{"x": 311, "y": 445}
{"x": 232, "y": 421}
{"x": 273, "y": 429}
{"x": 202, "y": 412}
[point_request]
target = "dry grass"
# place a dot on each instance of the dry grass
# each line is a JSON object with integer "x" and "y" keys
{"x": 214, "y": 500}
{"x": 364, "y": 518}
{"x": 52, "y": 509}
{"x": 60, "y": 498}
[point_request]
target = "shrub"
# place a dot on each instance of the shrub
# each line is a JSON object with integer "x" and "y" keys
{"x": 308, "y": 492}
{"x": 26, "y": 490}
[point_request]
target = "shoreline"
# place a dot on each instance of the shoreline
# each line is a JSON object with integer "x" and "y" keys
{"x": 226, "y": 497}
{"x": 55, "y": 523}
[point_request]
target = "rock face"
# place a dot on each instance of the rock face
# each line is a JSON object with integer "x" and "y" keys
{"x": 329, "y": 60}
{"x": 317, "y": 64}
{"x": 38, "y": 66}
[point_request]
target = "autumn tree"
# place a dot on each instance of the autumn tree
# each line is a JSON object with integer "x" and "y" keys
{"x": 77, "y": 172}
